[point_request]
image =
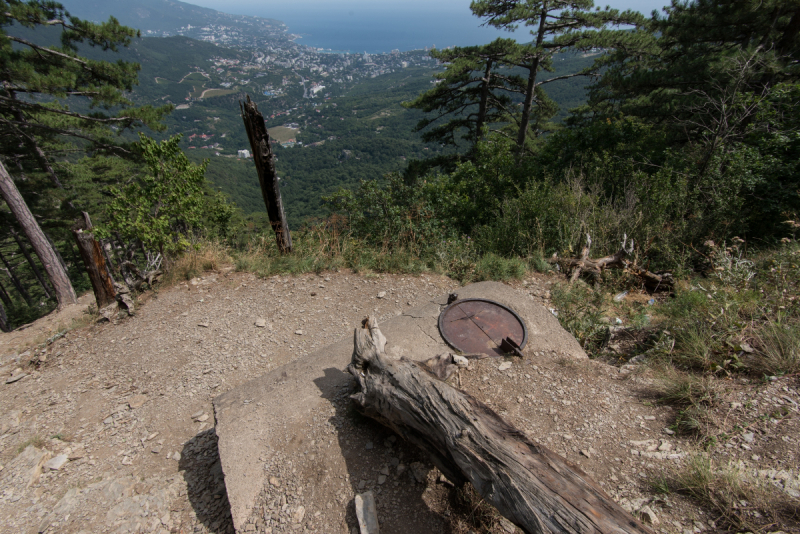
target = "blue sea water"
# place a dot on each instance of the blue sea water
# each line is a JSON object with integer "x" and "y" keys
{"x": 383, "y": 30}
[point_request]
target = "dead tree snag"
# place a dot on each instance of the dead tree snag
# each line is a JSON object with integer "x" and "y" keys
{"x": 267, "y": 176}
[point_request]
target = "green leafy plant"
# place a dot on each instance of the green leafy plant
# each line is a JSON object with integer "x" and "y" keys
{"x": 166, "y": 206}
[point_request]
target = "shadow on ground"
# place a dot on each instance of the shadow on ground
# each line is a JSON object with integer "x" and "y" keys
{"x": 202, "y": 472}
{"x": 397, "y": 472}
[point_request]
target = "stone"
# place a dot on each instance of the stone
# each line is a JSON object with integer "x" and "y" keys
{"x": 56, "y": 462}
{"x": 137, "y": 401}
{"x": 669, "y": 432}
{"x": 505, "y": 366}
{"x": 419, "y": 471}
{"x": 202, "y": 418}
{"x": 275, "y": 482}
{"x": 77, "y": 453}
{"x": 261, "y": 323}
{"x": 16, "y": 378}
{"x": 649, "y": 516}
{"x": 586, "y": 453}
{"x": 156, "y": 449}
{"x": 204, "y": 324}
{"x": 366, "y": 513}
{"x": 749, "y": 437}
{"x": 298, "y": 332}
{"x": 381, "y": 479}
{"x": 460, "y": 361}
{"x": 381, "y": 294}
{"x": 369, "y": 445}
{"x": 299, "y": 513}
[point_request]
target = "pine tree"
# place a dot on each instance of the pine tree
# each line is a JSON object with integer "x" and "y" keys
{"x": 558, "y": 26}
{"x": 42, "y": 86}
{"x": 472, "y": 92}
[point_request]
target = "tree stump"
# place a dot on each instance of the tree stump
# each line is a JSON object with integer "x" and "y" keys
{"x": 530, "y": 485}
{"x": 94, "y": 260}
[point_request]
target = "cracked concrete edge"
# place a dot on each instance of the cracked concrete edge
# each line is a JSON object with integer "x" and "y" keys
{"x": 252, "y": 418}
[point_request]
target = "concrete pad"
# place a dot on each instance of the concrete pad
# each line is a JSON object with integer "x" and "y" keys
{"x": 252, "y": 420}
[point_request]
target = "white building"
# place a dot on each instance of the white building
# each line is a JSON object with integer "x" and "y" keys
{"x": 244, "y": 154}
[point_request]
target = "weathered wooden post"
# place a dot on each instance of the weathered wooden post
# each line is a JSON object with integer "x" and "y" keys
{"x": 92, "y": 255}
{"x": 267, "y": 177}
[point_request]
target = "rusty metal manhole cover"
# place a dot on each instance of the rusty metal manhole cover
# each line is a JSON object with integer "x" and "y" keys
{"x": 480, "y": 326}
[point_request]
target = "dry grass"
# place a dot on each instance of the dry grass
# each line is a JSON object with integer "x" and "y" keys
{"x": 207, "y": 256}
{"x": 474, "y": 514}
{"x": 780, "y": 350}
{"x": 36, "y": 441}
{"x": 743, "y": 503}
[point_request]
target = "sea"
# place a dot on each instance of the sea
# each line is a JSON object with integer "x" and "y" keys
{"x": 376, "y": 31}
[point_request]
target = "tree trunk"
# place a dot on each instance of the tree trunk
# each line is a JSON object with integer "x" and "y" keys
{"x": 487, "y": 77}
{"x": 47, "y": 255}
{"x": 92, "y": 255}
{"x": 535, "y": 488}
{"x": 21, "y": 244}
{"x": 530, "y": 90}
{"x": 4, "y": 326}
{"x": 4, "y": 296}
{"x": 267, "y": 177}
{"x": 56, "y": 251}
{"x": 16, "y": 281}
{"x": 34, "y": 146}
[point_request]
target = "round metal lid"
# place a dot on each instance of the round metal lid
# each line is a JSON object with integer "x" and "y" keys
{"x": 480, "y": 326}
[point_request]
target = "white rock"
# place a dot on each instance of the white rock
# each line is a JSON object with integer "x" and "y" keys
{"x": 504, "y": 366}
{"x": 298, "y": 332}
{"x": 261, "y": 322}
{"x": 649, "y": 516}
{"x": 57, "y": 462}
{"x": 365, "y": 511}
{"x": 299, "y": 513}
{"x": 16, "y": 378}
{"x": 460, "y": 361}
{"x": 381, "y": 294}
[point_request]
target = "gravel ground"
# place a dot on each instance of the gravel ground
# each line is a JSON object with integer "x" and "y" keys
{"x": 111, "y": 428}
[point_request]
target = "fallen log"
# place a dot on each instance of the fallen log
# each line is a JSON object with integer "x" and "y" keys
{"x": 535, "y": 488}
{"x": 582, "y": 264}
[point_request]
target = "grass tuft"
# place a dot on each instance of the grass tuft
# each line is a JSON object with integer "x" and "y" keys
{"x": 780, "y": 350}
{"x": 743, "y": 502}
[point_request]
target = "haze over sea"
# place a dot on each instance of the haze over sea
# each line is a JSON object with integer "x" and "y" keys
{"x": 377, "y": 29}
{"x": 377, "y": 26}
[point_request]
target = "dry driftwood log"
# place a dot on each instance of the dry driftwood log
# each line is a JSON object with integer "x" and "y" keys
{"x": 532, "y": 486}
{"x": 267, "y": 176}
{"x": 574, "y": 267}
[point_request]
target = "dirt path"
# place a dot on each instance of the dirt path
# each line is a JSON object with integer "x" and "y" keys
{"x": 124, "y": 411}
